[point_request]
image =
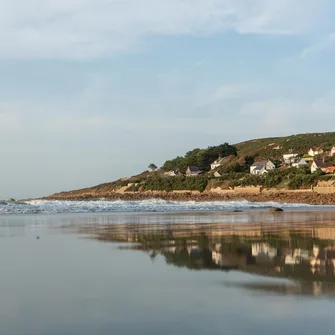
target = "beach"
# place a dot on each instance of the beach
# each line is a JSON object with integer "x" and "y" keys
{"x": 189, "y": 271}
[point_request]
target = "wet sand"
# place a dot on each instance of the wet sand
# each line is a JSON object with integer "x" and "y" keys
{"x": 162, "y": 273}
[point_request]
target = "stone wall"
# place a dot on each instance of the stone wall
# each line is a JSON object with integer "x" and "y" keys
{"x": 237, "y": 190}
{"x": 324, "y": 190}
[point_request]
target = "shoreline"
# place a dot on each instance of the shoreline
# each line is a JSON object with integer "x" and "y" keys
{"x": 279, "y": 196}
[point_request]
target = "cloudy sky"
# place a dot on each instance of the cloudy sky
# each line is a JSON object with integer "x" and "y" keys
{"x": 93, "y": 90}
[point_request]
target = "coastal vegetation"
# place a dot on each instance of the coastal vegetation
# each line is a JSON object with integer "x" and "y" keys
{"x": 228, "y": 166}
{"x": 200, "y": 157}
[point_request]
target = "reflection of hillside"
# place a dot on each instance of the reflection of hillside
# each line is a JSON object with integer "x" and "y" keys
{"x": 305, "y": 253}
{"x": 308, "y": 288}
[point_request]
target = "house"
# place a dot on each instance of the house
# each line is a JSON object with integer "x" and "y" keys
{"x": 261, "y": 167}
{"x": 330, "y": 170}
{"x": 192, "y": 170}
{"x": 307, "y": 158}
{"x": 259, "y": 170}
{"x": 217, "y": 163}
{"x": 319, "y": 164}
{"x": 300, "y": 163}
{"x": 332, "y": 151}
{"x": 172, "y": 173}
{"x": 315, "y": 152}
{"x": 217, "y": 174}
{"x": 290, "y": 158}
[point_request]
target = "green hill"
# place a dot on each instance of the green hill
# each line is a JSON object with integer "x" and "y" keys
{"x": 234, "y": 170}
{"x": 245, "y": 153}
{"x": 300, "y": 144}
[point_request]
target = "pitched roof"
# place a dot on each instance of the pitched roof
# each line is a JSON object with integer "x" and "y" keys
{"x": 220, "y": 160}
{"x": 193, "y": 168}
{"x": 260, "y": 163}
{"x": 321, "y": 164}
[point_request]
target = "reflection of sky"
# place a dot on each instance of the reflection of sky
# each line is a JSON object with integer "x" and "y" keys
{"x": 62, "y": 284}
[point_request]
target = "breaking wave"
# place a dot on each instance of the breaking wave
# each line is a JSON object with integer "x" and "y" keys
{"x": 120, "y": 206}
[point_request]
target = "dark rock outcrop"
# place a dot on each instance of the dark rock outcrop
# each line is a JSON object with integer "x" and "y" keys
{"x": 275, "y": 209}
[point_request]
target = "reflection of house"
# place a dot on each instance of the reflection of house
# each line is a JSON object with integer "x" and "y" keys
{"x": 192, "y": 250}
{"x": 171, "y": 250}
{"x": 261, "y": 167}
{"x": 193, "y": 170}
{"x": 298, "y": 256}
{"x": 319, "y": 164}
{"x": 217, "y": 163}
{"x": 263, "y": 249}
{"x": 314, "y": 152}
{"x": 217, "y": 258}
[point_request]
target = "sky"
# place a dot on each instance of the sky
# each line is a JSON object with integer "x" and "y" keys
{"x": 95, "y": 90}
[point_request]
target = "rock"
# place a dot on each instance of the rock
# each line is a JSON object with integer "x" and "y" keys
{"x": 276, "y": 209}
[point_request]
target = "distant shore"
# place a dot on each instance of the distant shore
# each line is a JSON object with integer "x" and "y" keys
{"x": 280, "y": 196}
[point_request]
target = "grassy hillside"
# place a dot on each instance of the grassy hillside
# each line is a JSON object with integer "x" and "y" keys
{"x": 234, "y": 171}
{"x": 301, "y": 143}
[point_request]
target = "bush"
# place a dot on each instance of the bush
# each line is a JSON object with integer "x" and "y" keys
{"x": 163, "y": 183}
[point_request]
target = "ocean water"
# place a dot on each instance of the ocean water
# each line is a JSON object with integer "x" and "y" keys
{"x": 159, "y": 271}
{"x": 154, "y": 205}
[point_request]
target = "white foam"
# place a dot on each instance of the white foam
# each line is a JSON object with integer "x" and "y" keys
{"x": 150, "y": 205}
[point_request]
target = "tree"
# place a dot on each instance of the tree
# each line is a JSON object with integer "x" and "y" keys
{"x": 152, "y": 166}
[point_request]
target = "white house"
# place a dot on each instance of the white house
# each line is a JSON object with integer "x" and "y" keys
{"x": 217, "y": 174}
{"x": 290, "y": 158}
{"x": 261, "y": 167}
{"x": 332, "y": 151}
{"x": 314, "y": 152}
{"x": 217, "y": 163}
{"x": 172, "y": 173}
{"x": 319, "y": 164}
{"x": 300, "y": 163}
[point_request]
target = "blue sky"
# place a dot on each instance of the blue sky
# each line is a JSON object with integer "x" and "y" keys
{"x": 94, "y": 90}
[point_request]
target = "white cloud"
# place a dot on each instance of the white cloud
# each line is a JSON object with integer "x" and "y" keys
{"x": 289, "y": 116}
{"x": 232, "y": 92}
{"x": 10, "y": 119}
{"x": 322, "y": 45}
{"x": 97, "y": 28}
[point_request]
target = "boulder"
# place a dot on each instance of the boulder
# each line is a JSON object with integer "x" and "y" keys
{"x": 276, "y": 209}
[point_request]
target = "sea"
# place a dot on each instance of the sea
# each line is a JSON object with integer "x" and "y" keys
{"x": 164, "y": 267}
